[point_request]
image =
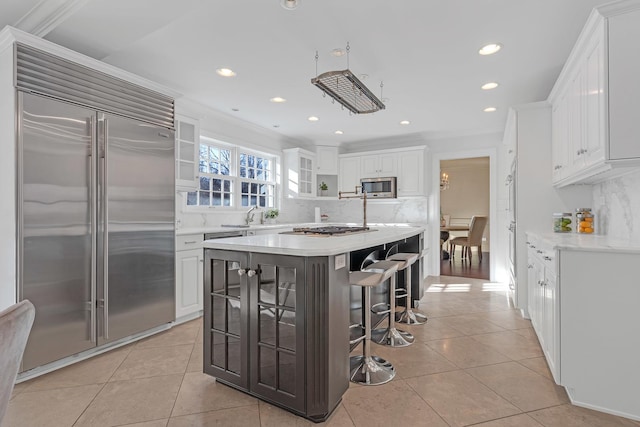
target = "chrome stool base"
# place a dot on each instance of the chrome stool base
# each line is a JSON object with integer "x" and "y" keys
{"x": 371, "y": 370}
{"x": 391, "y": 337}
{"x": 410, "y": 317}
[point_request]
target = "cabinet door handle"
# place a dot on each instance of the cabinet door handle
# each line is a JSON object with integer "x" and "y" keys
{"x": 539, "y": 251}
{"x": 241, "y": 271}
{"x": 578, "y": 152}
{"x": 190, "y": 243}
{"x": 533, "y": 247}
{"x": 547, "y": 258}
{"x": 529, "y": 266}
{"x": 251, "y": 273}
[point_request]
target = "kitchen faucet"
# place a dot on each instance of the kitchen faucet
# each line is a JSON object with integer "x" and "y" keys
{"x": 249, "y": 218}
{"x": 357, "y": 195}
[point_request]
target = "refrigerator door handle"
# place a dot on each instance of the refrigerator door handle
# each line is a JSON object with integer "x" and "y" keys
{"x": 92, "y": 225}
{"x": 105, "y": 230}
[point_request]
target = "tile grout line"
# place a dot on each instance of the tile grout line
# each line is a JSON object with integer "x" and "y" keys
{"x": 427, "y": 403}
{"x": 102, "y": 388}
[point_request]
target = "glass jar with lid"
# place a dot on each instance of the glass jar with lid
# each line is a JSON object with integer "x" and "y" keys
{"x": 562, "y": 222}
{"x": 584, "y": 221}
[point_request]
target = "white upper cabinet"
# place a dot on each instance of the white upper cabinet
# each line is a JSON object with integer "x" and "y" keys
{"x": 349, "y": 176}
{"x": 327, "y": 160}
{"x": 411, "y": 173}
{"x": 300, "y": 173}
{"x": 187, "y": 153}
{"x": 560, "y": 132}
{"x": 379, "y": 165}
{"x": 595, "y": 125}
{"x": 407, "y": 164}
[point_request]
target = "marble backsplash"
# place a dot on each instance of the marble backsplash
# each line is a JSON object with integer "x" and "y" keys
{"x": 616, "y": 204}
{"x": 411, "y": 210}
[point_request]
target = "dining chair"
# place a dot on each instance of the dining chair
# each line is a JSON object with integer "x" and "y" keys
{"x": 473, "y": 238}
{"x": 15, "y": 325}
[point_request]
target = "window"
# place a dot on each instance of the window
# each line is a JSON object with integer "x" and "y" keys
{"x": 256, "y": 180}
{"x": 233, "y": 177}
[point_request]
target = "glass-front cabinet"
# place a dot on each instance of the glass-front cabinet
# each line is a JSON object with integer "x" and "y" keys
{"x": 276, "y": 322}
{"x": 226, "y": 317}
{"x": 255, "y": 324}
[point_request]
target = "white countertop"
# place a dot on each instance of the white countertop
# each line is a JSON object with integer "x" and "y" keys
{"x": 216, "y": 228}
{"x": 587, "y": 242}
{"x": 300, "y": 245}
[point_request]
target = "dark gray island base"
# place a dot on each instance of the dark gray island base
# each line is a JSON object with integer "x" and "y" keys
{"x": 276, "y": 326}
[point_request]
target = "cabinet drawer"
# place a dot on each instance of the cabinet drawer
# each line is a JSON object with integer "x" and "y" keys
{"x": 189, "y": 241}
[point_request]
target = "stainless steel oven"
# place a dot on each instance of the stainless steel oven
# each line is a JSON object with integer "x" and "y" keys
{"x": 380, "y": 187}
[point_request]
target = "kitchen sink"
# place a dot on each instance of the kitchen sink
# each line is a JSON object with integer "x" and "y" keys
{"x": 234, "y": 226}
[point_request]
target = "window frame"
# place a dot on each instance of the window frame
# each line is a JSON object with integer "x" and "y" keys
{"x": 234, "y": 177}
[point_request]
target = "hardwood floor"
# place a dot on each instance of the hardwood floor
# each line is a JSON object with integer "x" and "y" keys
{"x": 463, "y": 268}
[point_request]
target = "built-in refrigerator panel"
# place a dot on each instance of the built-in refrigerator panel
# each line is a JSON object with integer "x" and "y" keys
{"x": 136, "y": 289}
{"x": 55, "y": 165}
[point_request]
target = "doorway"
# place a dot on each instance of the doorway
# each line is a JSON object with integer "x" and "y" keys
{"x": 465, "y": 192}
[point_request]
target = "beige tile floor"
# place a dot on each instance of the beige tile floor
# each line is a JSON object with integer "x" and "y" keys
{"x": 476, "y": 362}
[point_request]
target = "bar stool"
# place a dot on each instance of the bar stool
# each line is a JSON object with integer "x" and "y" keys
{"x": 368, "y": 369}
{"x": 408, "y": 316}
{"x": 390, "y": 335}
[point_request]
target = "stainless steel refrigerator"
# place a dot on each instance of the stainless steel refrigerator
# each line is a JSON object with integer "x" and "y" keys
{"x": 96, "y": 226}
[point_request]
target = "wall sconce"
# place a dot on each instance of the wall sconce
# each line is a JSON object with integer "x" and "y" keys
{"x": 444, "y": 181}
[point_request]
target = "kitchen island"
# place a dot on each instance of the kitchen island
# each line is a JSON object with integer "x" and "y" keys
{"x": 278, "y": 309}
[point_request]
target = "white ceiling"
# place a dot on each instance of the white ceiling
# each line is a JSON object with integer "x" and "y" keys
{"x": 424, "y": 51}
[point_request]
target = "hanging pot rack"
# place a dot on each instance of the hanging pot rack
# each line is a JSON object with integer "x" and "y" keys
{"x": 343, "y": 86}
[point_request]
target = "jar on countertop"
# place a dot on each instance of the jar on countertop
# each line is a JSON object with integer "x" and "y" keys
{"x": 562, "y": 222}
{"x": 584, "y": 221}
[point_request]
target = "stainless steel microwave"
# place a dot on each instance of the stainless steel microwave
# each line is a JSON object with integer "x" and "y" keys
{"x": 380, "y": 188}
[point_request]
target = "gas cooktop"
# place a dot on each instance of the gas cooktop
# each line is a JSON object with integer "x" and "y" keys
{"x": 329, "y": 230}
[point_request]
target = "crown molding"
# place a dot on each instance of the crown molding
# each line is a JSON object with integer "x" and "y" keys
{"x": 47, "y": 15}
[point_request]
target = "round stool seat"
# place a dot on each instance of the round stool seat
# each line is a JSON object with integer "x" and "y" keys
{"x": 371, "y": 278}
{"x": 407, "y": 259}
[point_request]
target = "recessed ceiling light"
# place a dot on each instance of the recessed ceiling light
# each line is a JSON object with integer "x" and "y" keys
{"x": 338, "y": 132}
{"x": 490, "y": 85}
{"x": 290, "y": 4}
{"x": 277, "y": 99}
{"x": 313, "y": 119}
{"x": 489, "y": 109}
{"x": 225, "y": 72}
{"x": 338, "y": 52}
{"x": 490, "y": 49}
{"x": 405, "y": 122}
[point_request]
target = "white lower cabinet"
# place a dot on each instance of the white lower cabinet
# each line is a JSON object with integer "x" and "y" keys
{"x": 189, "y": 274}
{"x": 583, "y": 302}
{"x": 543, "y": 301}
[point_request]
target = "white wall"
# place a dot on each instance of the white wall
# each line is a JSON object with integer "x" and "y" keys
{"x": 7, "y": 177}
{"x": 616, "y": 205}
